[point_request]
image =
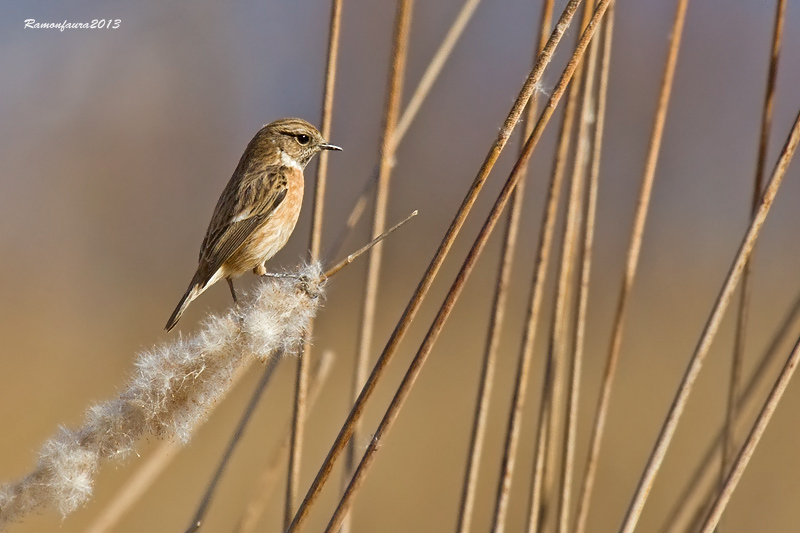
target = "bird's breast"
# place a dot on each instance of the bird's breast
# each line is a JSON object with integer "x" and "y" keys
{"x": 274, "y": 233}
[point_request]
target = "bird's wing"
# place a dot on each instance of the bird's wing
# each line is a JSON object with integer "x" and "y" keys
{"x": 244, "y": 206}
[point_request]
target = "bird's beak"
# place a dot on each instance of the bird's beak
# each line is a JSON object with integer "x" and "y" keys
{"x": 327, "y": 146}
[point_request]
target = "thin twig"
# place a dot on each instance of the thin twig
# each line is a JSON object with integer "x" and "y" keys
{"x": 409, "y": 114}
{"x": 485, "y": 383}
{"x": 350, "y": 258}
{"x": 433, "y": 268}
{"x": 710, "y": 329}
{"x": 699, "y": 488}
{"x": 261, "y": 386}
{"x": 631, "y": 265}
{"x": 752, "y": 441}
{"x": 455, "y": 290}
{"x": 145, "y": 475}
{"x": 315, "y": 244}
{"x": 588, "y": 152}
{"x": 402, "y": 27}
{"x": 262, "y": 492}
{"x": 729, "y": 447}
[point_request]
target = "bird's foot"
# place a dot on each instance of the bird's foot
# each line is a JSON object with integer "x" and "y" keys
{"x": 304, "y": 283}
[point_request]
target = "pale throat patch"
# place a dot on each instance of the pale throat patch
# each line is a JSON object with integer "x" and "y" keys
{"x": 289, "y": 161}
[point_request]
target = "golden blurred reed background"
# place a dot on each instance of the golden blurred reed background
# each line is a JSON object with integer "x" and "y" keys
{"x": 116, "y": 144}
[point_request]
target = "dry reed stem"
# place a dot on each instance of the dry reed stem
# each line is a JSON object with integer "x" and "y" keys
{"x": 402, "y": 27}
{"x": 315, "y": 238}
{"x": 315, "y": 245}
{"x": 433, "y": 268}
{"x": 602, "y": 93}
{"x": 752, "y": 441}
{"x": 699, "y": 488}
{"x": 486, "y": 381}
{"x": 144, "y": 476}
{"x": 709, "y": 331}
{"x": 631, "y": 265}
{"x": 409, "y": 114}
{"x": 588, "y": 152}
{"x": 261, "y": 386}
{"x": 537, "y": 288}
{"x": 268, "y": 480}
{"x": 537, "y": 284}
{"x": 558, "y": 342}
{"x": 455, "y": 290}
{"x": 529, "y": 339}
{"x": 537, "y": 291}
{"x": 729, "y": 446}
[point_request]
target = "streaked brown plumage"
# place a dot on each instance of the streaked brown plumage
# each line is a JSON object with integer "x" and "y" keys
{"x": 257, "y": 211}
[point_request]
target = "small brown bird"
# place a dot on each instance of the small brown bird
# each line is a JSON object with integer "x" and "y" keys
{"x": 257, "y": 211}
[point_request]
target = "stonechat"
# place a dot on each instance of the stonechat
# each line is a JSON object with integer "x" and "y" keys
{"x": 257, "y": 211}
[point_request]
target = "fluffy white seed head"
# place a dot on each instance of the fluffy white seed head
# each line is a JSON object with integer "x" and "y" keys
{"x": 171, "y": 391}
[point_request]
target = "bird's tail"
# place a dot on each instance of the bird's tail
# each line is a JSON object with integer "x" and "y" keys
{"x": 196, "y": 287}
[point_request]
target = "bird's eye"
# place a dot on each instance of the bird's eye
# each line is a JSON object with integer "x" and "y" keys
{"x": 303, "y": 139}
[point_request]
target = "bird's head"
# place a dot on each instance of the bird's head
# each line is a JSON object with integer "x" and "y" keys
{"x": 297, "y": 140}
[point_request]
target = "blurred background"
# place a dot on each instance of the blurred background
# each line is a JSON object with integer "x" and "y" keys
{"x": 115, "y": 144}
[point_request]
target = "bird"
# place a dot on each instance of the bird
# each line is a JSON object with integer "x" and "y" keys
{"x": 258, "y": 209}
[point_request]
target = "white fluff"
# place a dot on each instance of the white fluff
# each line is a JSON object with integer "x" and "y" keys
{"x": 170, "y": 392}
